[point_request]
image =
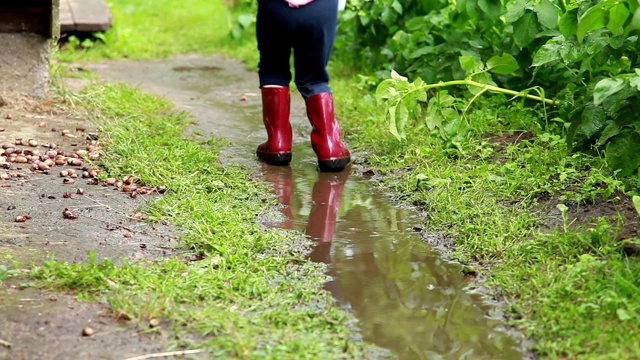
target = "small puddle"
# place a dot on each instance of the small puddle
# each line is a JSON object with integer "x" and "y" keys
{"x": 405, "y": 296}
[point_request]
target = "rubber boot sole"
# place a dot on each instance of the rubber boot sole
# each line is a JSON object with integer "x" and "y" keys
{"x": 334, "y": 165}
{"x": 278, "y": 159}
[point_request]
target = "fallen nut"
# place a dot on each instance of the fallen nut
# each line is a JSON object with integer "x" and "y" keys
{"x": 22, "y": 218}
{"x": 68, "y": 214}
{"x": 154, "y": 322}
{"x": 66, "y": 195}
{"x": 68, "y": 181}
{"x": 80, "y": 191}
{"x": 87, "y": 331}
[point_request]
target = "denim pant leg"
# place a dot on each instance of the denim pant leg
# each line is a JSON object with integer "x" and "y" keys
{"x": 310, "y": 30}
{"x": 274, "y": 32}
{"x": 312, "y": 46}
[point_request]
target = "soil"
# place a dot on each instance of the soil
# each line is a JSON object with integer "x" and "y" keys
{"x": 37, "y": 324}
{"x": 618, "y": 207}
{"x": 40, "y": 325}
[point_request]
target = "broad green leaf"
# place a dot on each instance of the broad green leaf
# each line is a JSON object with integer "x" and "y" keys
{"x": 433, "y": 119}
{"x": 525, "y": 29}
{"x": 443, "y": 99}
{"x": 593, "y": 19}
{"x": 454, "y": 123}
{"x": 492, "y": 8}
{"x": 471, "y": 9}
{"x": 392, "y": 122}
{"x": 397, "y": 6}
{"x": 636, "y": 203}
{"x": 515, "y": 11}
{"x": 605, "y": 88}
{"x": 572, "y": 52}
{"x": 505, "y": 64}
{"x": 468, "y": 63}
{"x": 384, "y": 90}
{"x": 569, "y": 23}
{"x": 618, "y": 15}
{"x": 635, "y": 80}
{"x": 611, "y": 130}
{"x": 592, "y": 120}
{"x": 547, "y": 14}
{"x": 596, "y": 41}
{"x": 623, "y": 153}
{"x": 396, "y": 76}
{"x": 635, "y": 22}
{"x": 424, "y": 50}
{"x": 547, "y": 53}
{"x": 402, "y": 116}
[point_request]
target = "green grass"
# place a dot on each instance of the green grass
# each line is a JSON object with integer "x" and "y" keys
{"x": 253, "y": 295}
{"x": 154, "y": 29}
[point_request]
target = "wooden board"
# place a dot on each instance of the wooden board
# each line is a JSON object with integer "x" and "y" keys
{"x": 84, "y": 16}
{"x": 26, "y": 16}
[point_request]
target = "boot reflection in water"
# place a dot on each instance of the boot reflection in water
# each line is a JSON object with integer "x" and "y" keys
{"x": 327, "y": 193}
{"x": 282, "y": 180}
{"x": 326, "y": 198}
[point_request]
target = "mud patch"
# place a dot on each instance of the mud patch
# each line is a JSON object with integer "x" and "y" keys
{"x": 43, "y": 325}
{"x": 619, "y": 209}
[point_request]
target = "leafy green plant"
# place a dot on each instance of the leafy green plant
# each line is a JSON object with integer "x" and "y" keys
{"x": 583, "y": 54}
{"x": 443, "y": 114}
{"x": 596, "y": 57}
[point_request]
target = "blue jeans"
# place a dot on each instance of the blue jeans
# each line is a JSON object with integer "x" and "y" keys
{"x": 309, "y": 30}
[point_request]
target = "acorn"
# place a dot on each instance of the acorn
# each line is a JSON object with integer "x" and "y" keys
{"x": 22, "y": 218}
{"x": 67, "y": 214}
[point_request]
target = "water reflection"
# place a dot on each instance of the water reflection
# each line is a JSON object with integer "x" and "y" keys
{"x": 407, "y": 299}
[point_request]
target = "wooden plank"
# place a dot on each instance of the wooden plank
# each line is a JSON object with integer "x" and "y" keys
{"x": 90, "y": 15}
{"x": 66, "y": 17}
{"x": 31, "y": 16}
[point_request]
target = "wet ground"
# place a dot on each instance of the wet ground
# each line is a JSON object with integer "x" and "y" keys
{"x": 41, "y": 325}
{"x": 406, "y": 297}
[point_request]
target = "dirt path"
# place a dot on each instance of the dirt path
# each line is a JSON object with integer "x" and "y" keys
{"x": 36, "y": 324}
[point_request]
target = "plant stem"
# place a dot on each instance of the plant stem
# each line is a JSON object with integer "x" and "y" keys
{"x": 490, "y": 88}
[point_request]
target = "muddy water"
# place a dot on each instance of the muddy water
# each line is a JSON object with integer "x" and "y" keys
{"x": 407, "y": 299}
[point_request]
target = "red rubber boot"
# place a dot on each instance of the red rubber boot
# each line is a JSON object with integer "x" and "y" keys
{"x": 325, "y": 137}
{"x": 275, "y": 114}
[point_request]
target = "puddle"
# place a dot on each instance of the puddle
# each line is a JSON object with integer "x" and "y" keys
{"x": 405, "y": 296}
